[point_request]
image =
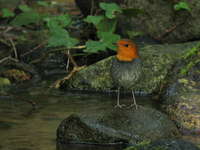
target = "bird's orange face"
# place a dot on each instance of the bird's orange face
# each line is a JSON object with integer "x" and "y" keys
{"x": 126, "y": 50}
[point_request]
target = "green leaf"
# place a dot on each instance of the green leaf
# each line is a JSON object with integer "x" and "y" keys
{"x": 109, "y": 39}
{"x": 26, "y": 18}
{"x": 25, "y": 8}
{"x": 94, "y": 46}
{"x": 61, "y": 21}
{"x": 107, "y": 25}
{"x": 182, "y": 6}
{"x": 94, "y": 19}
{"x": 111, "y": 9}
{"x": 7, "y": 13}
{"x": 43, "y": 3}
{"x": 61, "y": 37}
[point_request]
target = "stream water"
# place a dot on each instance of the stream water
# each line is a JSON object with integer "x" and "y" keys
{"x": 25, "y": 128}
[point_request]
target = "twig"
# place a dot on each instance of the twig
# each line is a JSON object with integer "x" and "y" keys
{"x": 79, "y": 47}
{"x": 8, "y": 58}
{"x": 35, "y": 48}
{"x": 92, "y": 7}
{"x": 5, "y": 42}
{"x": 72, "y": 60}
{"x": 4, "y": 59}
{"x": 76, "y": 68}
{"x": 14, "y": 48}
{"x": 67, "y": 66}
{"x": 59, "y": 82}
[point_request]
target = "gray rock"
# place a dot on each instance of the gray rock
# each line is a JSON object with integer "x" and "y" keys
{"x": 159, "y": 18}
{"x": 157, "y": 63}
{"x": 117, "y": 126}
{"x": 164, "y": 144}
{"x": 172, "y": 144}
{"x": 182, "y": 101}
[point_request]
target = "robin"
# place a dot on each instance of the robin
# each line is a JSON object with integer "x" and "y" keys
{"x": 126, "y": 68}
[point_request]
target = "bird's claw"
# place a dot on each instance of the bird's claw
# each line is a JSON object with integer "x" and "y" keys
{"x": 120, "y": 106}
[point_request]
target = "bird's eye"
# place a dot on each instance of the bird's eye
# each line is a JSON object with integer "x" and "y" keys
{"x": 125, "y": 45}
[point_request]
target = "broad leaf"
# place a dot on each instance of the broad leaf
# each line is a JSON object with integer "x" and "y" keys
{"x": 110, "y": 9}
{"x": 94, "y": 46}
{"x": 7, "y": 13}
{"x": 182, "y": 6}
{"x": 61, "y": 21}
{"x": 107, "y": 25}
{"x": 94, "y": 19}
{"x": 25, "y": 8}
{"x": 109, "y": 39}
{"x": 60, "y": 37}
{"x": 43, "y": 3}
{"x": 26, "y": 18}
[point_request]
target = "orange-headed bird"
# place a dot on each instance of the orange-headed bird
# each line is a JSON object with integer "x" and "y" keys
{"x": 126, "y": 67}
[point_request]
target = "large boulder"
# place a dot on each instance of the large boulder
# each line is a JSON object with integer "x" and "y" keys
{"x": 117, "y": 126}
{"x": 160, "y": 20}
{"x": 165, "y": 144}
{"x": 182, "y": 101}
{"x": 158, "y": 60}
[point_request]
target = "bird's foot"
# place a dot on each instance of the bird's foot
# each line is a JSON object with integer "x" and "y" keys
{"x": 120, "y": 105}
{"x": 133, "y": 105}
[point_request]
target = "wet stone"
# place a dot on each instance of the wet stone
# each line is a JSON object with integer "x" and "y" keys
{"x": 117, "y": 126}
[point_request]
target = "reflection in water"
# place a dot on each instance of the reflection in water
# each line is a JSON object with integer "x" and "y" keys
{"x": 89, "y": 147}
{"x": 23, "y": 128}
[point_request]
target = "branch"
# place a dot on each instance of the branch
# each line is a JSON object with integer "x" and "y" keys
{"x": 8, "y": 58}
{"x": 14, "y": 48}
{"x": 35, "y": 48}
{"x": 59, "y": 82}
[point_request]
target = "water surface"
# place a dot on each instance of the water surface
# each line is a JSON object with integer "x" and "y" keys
{"x": 25, "y": 128}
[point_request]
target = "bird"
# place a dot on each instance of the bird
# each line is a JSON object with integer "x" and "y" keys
{"x": 126, "y": 68}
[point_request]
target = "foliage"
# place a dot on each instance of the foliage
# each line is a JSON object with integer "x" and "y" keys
{"x": 43, "y": 3}
{"x": 26, "y": 18}
{"x": 192, "y": 58}
{"x": 6, "y": 13}
{"x": 61, "y": 37}
{"x": 139, "y": 146}
{"x": 182, "y": 6}
{"x": 4, "y": 82}
{"x": 106, "y": 26}
{"x": 145, "y": 145}
{"x": 58, "y": 26}
{"x": 110, "y": 9}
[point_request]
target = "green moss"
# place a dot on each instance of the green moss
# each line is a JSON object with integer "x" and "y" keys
{"x": 158, "y": 61}
{"x": 4, "y": 82}
{"x": 191, "y": 59}
{"x": 144, "y": 145}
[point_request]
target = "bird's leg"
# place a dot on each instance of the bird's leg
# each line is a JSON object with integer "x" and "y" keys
{"x": 118, "y": 103}
{"x": 134, "y": 101}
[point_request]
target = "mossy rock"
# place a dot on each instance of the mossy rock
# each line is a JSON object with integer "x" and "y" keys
{"x": 158, "y": 60}
{"x": 4, "y": 82}
{"x": 182, "y": 101}
{"x": 159, "y": 19}
{"x": 117, "y": 126}
{"x": 16, "y": 75}
{"x": 165, "y": 144}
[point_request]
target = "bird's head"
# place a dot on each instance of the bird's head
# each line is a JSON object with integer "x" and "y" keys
{"x": 126, "y": 50}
